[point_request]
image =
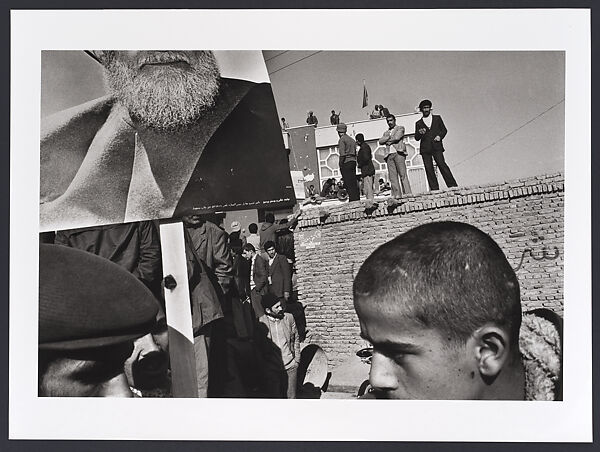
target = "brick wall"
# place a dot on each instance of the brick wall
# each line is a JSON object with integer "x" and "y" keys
{"x": 525, "y": 217}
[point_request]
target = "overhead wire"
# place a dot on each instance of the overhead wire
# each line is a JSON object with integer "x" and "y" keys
{"x": 275, "y": 56}
{"x": 294, "y": 62}
{"x": 511, "y": 132}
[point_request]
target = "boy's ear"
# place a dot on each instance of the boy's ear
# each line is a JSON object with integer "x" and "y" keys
{"x": 492, "y": 350}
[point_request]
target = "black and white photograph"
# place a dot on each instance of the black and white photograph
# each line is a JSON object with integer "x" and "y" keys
{"x": 235, "y": 227}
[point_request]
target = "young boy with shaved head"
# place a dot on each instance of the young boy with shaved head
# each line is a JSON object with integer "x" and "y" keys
{"x": 441, "y": 306}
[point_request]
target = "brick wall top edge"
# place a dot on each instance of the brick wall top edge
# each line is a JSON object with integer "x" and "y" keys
{"x": 546, "y": 183}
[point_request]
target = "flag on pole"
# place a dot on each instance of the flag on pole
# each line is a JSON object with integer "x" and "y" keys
{"x": 365, "y": 96}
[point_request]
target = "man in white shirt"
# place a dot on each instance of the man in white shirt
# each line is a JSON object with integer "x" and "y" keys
{"x": 253, "y": 238}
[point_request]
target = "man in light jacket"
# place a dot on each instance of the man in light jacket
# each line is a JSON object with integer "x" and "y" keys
{"x": 395, "y": 157}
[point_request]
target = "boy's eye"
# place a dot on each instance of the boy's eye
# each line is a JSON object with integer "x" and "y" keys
{"x": 398, "y": 358}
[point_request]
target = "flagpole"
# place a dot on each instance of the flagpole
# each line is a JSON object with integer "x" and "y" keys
{"x": 365, "y": 100}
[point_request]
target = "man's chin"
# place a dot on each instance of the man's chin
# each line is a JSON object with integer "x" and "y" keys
{"x": 276, "y": 316}
{"x": 162, "y": 125}
{"x": 166, "y": 97}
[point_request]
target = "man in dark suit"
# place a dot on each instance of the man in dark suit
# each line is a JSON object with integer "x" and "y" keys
{"x": 257, "y": 283}
{"x": 430, "y": 131}
{"x": 280, "y": 274}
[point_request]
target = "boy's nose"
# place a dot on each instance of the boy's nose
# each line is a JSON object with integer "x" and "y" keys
{"x": 382, "y": 376}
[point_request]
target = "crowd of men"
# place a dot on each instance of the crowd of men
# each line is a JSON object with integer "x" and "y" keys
{"x": 440, "y": 305}
{"x": 246, "y": 341}
{"x": 429, "y": 130}
{"x": 356, "y": 153}
{"x": 334, "y": 119}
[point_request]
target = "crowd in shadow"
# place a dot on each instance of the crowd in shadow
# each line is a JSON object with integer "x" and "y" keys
{"x": 246, "y": 341}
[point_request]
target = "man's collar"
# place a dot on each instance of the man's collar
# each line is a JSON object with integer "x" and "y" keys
{"x": 273, "y": 319}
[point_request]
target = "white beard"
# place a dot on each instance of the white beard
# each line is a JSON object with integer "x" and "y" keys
{"x": 164, "y": 98}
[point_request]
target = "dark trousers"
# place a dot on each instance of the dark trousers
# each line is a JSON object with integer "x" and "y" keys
{"x": 256, "y": 300}
{"x": 438, "y": 156}
{"x": 348, "y": 170}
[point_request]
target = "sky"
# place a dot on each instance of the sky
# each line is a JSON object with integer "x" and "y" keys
{"x": 481, "y": 96}
{"x": 504, "y": 111}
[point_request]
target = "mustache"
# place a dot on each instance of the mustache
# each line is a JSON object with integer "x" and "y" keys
{"x": 163, "y": 57}
{"x": 169, "y": 99}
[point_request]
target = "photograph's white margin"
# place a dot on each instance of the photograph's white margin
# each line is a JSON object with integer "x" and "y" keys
{"x": 37, "y": 418}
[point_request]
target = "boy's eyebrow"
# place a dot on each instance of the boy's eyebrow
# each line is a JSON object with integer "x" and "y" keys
{"x": 391, "y": 346}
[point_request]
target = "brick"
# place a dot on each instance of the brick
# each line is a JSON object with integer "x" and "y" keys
{"x": 510, "y": 212}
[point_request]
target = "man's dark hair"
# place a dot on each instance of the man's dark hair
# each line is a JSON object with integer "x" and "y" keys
{"x": 253, "y": 228}
{"x": 269, "y": 218}
{"x": 390, "y": 116}
{"x": 448, "y": 276}
{"x": 269, "y": 244}
{"x": 360, "y": 137}
{"x": 283, "y": 119}
{"x": 248, "y": 247}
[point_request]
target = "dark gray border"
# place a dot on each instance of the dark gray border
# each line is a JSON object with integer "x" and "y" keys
{"x": 260, "y": 446}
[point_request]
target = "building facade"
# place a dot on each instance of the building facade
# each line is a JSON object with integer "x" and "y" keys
{"x": 324, "y": 163}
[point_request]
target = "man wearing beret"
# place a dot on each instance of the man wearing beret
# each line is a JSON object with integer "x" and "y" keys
{"x": 90, "y": 312}
{"x": 136, "y": 248}
{"x": 170, "y": 136}
{"x": 430, "y": 131}
{"x": 347, "y": 151}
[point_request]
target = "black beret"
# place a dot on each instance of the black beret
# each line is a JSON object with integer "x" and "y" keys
{"x": 268, "y": 300}
{"x": 424, "y": 103}
{"x": 86, "y": 301}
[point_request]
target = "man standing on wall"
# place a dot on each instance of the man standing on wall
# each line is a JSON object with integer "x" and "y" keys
{"x": 311, "y": 119}
{"x": 430, "y": 131}
{"x": 395, "y": 157}
{"x": 334, "y": 119}
{"x": 367, "y": 169}
{"x": 347, "y": 151}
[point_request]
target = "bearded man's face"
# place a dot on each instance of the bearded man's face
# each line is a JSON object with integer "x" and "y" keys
{"x": 163, "y": 90}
